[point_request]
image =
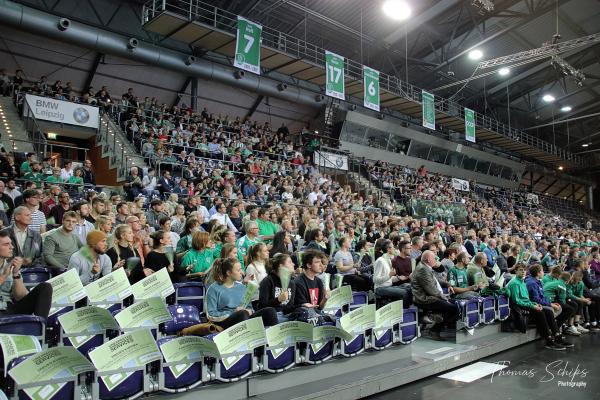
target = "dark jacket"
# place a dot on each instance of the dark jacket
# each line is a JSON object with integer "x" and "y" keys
{"x": 536, "y": 291}
{"x": 270, "y": 289}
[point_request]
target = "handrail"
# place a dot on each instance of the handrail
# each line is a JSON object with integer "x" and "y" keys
{"x": 225, "y": 21}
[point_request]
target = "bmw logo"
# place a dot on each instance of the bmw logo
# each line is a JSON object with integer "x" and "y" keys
{"x": 81, "y": 115}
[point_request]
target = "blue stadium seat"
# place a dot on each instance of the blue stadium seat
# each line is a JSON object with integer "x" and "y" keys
{"x": 488, "y": 310}
{"x": 284, "y": 361}
{"x": 383, "y": 339}
{"x": 409, "y": 329}
{"x": 194, "y": 376}
{"x": 53, "y": 327}
{"x": 30, "y": 325}
{"x": 246, "y": 365}
{"x": 503, "y": 308}
{"x": 355, "y": 346}
{"x": 469, "y": 311}
{"x": 33, "y": 276}
{"x": 323, "y": 354}
{"x": 190, "y": 293}
{"x": 184, "y": 316}
{"x": 65, "y": 393}
{"x": 57, "y": 271}
{"x": 359, "y": 299}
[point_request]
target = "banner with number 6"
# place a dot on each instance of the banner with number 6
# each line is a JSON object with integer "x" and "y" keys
{"x": 334, "y": 67}
{"x": 247, "y": 49}
{"x": 371, "y": 88}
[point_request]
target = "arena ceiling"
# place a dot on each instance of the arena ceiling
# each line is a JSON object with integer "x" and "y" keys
{"x": 431, "y": 49}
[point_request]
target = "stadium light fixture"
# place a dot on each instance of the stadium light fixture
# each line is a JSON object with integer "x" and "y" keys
{"x": 566, "y": 108}
{"x": 504, "y": 71}
{"x": 585, "y": 145}
{"x": 560, "y": 167}
{"x": 475, "y": 54}
{"x": 397, "y": 9}
{"x": 548, "y": 98}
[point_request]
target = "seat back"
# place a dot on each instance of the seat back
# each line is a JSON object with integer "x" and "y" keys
{"x": 359, "y": 299}
{"x": 190, "y": 293}
{"x": 488, "y": 310}
{"x": 503, "y": 307}
{"x": 35, "y": 275}
{"x": 29, "y": 325}
{"x": 409, "y": 328}
{"x": 469, "y": 311}
{"x": 184, "y": 316}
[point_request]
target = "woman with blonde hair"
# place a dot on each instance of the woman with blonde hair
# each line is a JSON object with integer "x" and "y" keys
{"x": 123, "y": 250}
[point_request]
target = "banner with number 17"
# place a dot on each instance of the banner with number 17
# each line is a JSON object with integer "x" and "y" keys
{"x": 334, "y": 67}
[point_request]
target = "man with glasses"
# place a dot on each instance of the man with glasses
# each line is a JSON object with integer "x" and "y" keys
{"x": 61, "y": 243}
{"x": 27, "y": 244}
{"x": 31, "y": 200}
{"x": 249, "y": 239}
{"x": 58, "y": 211}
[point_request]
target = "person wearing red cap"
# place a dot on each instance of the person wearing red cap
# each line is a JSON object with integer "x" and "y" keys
{"x": 90, "y": 261}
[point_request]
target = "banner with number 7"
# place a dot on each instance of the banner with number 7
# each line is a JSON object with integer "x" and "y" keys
{"x": 334, "y": 67}
{"x": 247, "y": 49}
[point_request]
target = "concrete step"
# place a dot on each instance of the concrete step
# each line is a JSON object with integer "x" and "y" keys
{"x": 12, "y": 128}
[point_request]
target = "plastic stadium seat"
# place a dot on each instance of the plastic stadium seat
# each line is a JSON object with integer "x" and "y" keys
{"x": 195, "y": 375}
{"x": 57, "y": 271}
{"x": 241, "y": 369}
{"x": 503, "y": 308}
{"x": 469, "y": 311}
{"x": 35, "y": 275}
{"x": 184, "y": 316}
{"x": 323, "y": 354}
{"x": 359, "y": 299}
{"x": 354, "y": 347}
{"x": 284, "y": 361}
{"x": 488, "y": 310}
{"x": 67, "y": 392}
{"x": 190, "y": 293}
{"x": 383, "y": 339}
{"x": 53, "y": 327}
{"x": 409, "y": 329}
{"x": 20, "y": 324}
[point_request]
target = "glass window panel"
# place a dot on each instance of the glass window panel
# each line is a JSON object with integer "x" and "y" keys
{"x": 469, "y": 163}
{"x": 482, "y": 166}
{"x": 495, "y": 170}
{"x": 377, "y": 138}
{"x": 454, "y": 159}
{"x": 437, "y": 155}
{"x": 507, "y": 173}
{"x": 419, "y": 150}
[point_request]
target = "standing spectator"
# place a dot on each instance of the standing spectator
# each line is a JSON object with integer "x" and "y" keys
{"x": 67, "y": 171}
{"x": 35, "y": 175}
{"x": 11, "y": 189}
{"x": 134, "y": 185}
{"x": 89, "y": 178}
{"x": 91, "y": 261}
{"x": 26, "y": 165}
{"x": 27, "y": 244}
{"x": 61, "y": 243}
{"x": 6, "y": 201}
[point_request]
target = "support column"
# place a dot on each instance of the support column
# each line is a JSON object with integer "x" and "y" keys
{"x": 590, "y": 197}
{"x": 194, "y": 94}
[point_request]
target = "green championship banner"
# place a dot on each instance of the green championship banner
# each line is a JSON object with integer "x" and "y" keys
{"x": 247, "y": 48}
{"x": 338, "y": 298}
{"x": 56, "y": 363}
{"x": 111, "y": 288}
{"x": 323, "y": 334}
{"x": 469, "y": 125}
{"x": 82, "y": 324}
{"x": 334, "y": 71}
{"x": 359, "y": 320}
{"x": 371, "y": 88}
{"x": 67, "y": 289}
{"x": 132, "y": 350}
{"x": 428, "y": 110}
{"x": 144, "y": 314}
{"x": 184, "y": 351}
{"x": 284, "y": 335}
{"x": 388, "y": 316}
{"x": 450, "y": 213}
{"x": 14, "y": 346}
{"x": 156, "y": 285}
{"x": 240, "y": 339}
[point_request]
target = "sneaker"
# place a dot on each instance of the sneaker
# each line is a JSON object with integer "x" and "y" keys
{"x": 437, "y": 318}
{"x": 436, "y": 336}
{"x": 572, "y": 331}
{"x": 561, "y": 341}
{"x": 427, "y": 320}
{"x": 594, "y": 323}
{"x": 581, "y": 329}
{"x": 552, "y": 345}
{"x": 594, "y": 329}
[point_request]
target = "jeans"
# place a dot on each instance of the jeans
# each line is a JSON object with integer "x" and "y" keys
{"x": 402, "y": 292}
{"x": 268, "y": 315}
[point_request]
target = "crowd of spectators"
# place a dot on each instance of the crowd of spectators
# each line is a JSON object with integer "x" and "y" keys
{"x": 235, "y": 200}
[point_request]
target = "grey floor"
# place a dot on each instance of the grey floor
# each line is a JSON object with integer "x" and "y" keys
{"x": 533, "y": 373}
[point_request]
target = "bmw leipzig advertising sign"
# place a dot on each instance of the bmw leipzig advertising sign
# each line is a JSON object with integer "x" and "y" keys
{"x": 65, "y": 112}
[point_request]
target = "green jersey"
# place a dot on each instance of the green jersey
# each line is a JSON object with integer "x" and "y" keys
{"x": 457, "y": 277}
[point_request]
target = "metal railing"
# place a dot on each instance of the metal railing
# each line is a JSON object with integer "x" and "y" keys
{"x": 225, "y": 21}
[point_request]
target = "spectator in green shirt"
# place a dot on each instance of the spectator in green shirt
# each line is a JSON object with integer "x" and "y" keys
{"x": 250, "y": 239}
{"x": 198, "y": 261}
{"x": 77, "y": 178}
{"x": 458, "y": 278}
{"x": 26, "y": 165}
{"x": 266, "y": 228}
{"x": 35, "y": 174}
{"x": 55, "y": 177}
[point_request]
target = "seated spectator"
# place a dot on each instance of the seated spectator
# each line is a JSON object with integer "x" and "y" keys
{"x": 155, "y": 213}
{"x": 516, "y": 290}
{"x": 91, "y": 261}
{"x": 158, "y": 258}
{"x": 26, "y": 165}
{"x": 134, "y": 185}
{"x": 221, "y": 216}
{"x": 76, "y": 180}
{"x": 224, "y": 297}
{"x": 6, "y": 201}
{"x": 281, "y": 243}
{"x": 55, "y": 177}
{"x": 428, "y": 295}
{"x": 575, "y": 293}
{"x": 459, "y": 280}
{"x": 14, "y": 296}
{"x": 556, "y": 292}
{"x": 165, "y": 183}
{"x": 384, "y": 275}
{"x": 82, "y": 226}
{"x": 197, "y": 262}
{"x": 35, "y": 175}
{"x": 250, "y": 239}
{"x": 310, "y": 291}
{"x": 27, "y": 243}
{"x": 344, "y": 263}
{"x": 58, "y": 211}
{"x": 536, "y": 294}
{"x": 476, "y": 272}
{"x": 31, "y": 200}
{"x": 258, "y": 258}
{"x": 271, "y": 293}
{"x": 61, "y": 243}
{"x": 67, "y": 171}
